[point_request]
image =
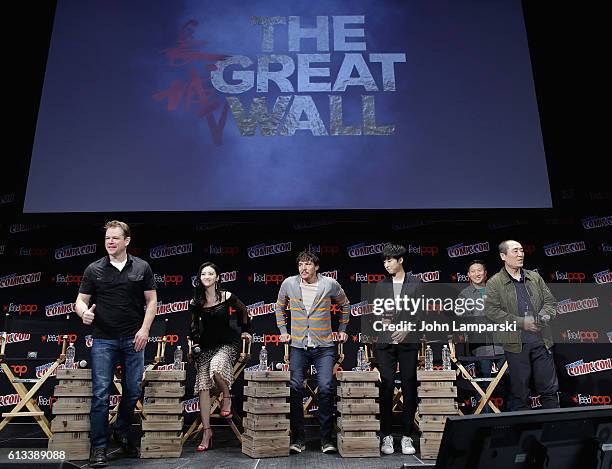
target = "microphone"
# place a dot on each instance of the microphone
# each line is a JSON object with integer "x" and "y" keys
{"x": 279, "y": 366}
{"x": 82, "y": 363}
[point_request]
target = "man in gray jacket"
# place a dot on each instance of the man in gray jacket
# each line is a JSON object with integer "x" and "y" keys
{"x": 309, "y": 297}
{"x": 519, "y": 295}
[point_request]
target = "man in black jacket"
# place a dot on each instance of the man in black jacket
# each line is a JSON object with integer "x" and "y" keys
{"x": 395, "y": 347}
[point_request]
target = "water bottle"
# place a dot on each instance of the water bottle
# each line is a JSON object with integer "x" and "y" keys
{"x": 360, "y": 359}
{"x": 263, "y": 359}
{"x": 428, "y": 358}
{"x": 178, "y": 358}
{"x": 446, "y": 360}
{"x": 70, "y": 351}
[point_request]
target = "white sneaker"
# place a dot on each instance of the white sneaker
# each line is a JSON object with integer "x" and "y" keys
{"x": 387, "y": 446}
{"x": 407, "y": 447}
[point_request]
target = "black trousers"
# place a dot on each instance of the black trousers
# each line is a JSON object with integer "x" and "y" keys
{"x": 388, "y": 359}
{"x": 534, "y": 361}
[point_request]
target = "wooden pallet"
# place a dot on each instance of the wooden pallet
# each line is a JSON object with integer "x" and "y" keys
{"x": 266, "y": 428}
{"x": 358, "y": 408}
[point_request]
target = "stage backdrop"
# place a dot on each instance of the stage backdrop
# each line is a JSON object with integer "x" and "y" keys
{"x": 41, "y": 267}
{"x": 276, "y": 104}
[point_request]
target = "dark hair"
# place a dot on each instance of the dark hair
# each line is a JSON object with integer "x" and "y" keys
{"x": 198, "y": 291}
{"x": 503, "y": 246}
{"x": 393, "y": 251}
{"x": 477, "y": 261}
{"x": 306, "y": 256}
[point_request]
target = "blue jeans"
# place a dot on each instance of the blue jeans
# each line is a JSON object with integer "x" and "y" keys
{"x": 105, "y": 354}
{"x": 323, "y": 359}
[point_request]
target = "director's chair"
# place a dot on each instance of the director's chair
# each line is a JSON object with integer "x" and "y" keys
{"x": 26, "y": 395}
{"x": 215, "y": 400}
{"x": 485, "y": 395}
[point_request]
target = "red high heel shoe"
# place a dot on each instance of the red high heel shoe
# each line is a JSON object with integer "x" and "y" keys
{"x": 227, "y": 413}
{"x": 202, "y": 447}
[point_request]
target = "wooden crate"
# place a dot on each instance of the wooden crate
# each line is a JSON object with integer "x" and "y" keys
{"x": 438, "y": 399}
{"x": 266, "y": 428}
{"x": 358, "y": 408}
{"x": 162, "y": 412}
{"x": 71, "y": 423}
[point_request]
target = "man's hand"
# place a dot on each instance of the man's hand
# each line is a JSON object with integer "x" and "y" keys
{"x": 88, "y": 315}
{"x": 284, "y": 338}
{"x": 342, "y": 337}
{"x": 399, "y": 336}
{"x": 529, "y": 324}
{"x": 140, "y": 339}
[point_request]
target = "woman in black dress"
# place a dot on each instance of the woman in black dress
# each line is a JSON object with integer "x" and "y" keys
{"x": 219, "y": 320}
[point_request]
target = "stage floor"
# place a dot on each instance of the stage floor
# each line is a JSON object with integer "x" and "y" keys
{"x": 225, "y": 454}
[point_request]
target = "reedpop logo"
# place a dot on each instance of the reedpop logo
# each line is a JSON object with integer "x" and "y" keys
{"x": 168, "y": 279}
{"x": 324, "y": 249}
{"x": 265, "y": 278}
{"x": 422, "y": 250}
{"x": 568, "y": 276}
{"x": 223, "y": 250}
{"x": 367, "y": 278}
{"x": 20, "y": 308}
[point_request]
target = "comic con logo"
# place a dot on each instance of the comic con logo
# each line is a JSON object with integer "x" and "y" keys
{"x": 14, "y": 280}
{"x": 580, "y": 367}
{"x": 432, "y": 276}
{"x": 73, "y": 251}
{"x": 223, "y": 250}
{"x": 266, "y": 278}
{"x": 9, "y": 399}
{"x": 361, "y": 249}
{"x": 361, "y": 309}
{"x": 165, "y": 250}
{"x": 602, "y": 277}
{"x": 261, "y": 250}
{"x": 568, "y": 276}
{"x": 570, "y": 306}
{"x": 223, "y": 277}
{"x": 367, "y": 278}
{"x": 193, "y": 405}
{"x": 168, "y": 279}
{"x": 20, "y": 308}
{"x": 172, "y": 307}
{"x": 580, "y": 336}
{"x": 558, "y": 249}
{"x": 587, "y": 399}
{"x": 591, "y": 223}
{"x": 89, "y": 341}
{"x": 14, "y": 337}
{"x": 460, "y": 250}
{"x": 260, "y": 308}
{"x": 331, "y": 274}
{"x": 59, "y": 308}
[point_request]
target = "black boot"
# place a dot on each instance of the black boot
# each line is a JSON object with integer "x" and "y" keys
{"x": 128, "y": 448}
{"x": 98, "y": 457}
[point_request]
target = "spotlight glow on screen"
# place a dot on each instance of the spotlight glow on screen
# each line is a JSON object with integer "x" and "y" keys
{"x": 276, "y": 104}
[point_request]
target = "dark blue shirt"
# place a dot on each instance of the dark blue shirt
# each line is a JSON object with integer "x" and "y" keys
{"x": 525, "y": 308}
